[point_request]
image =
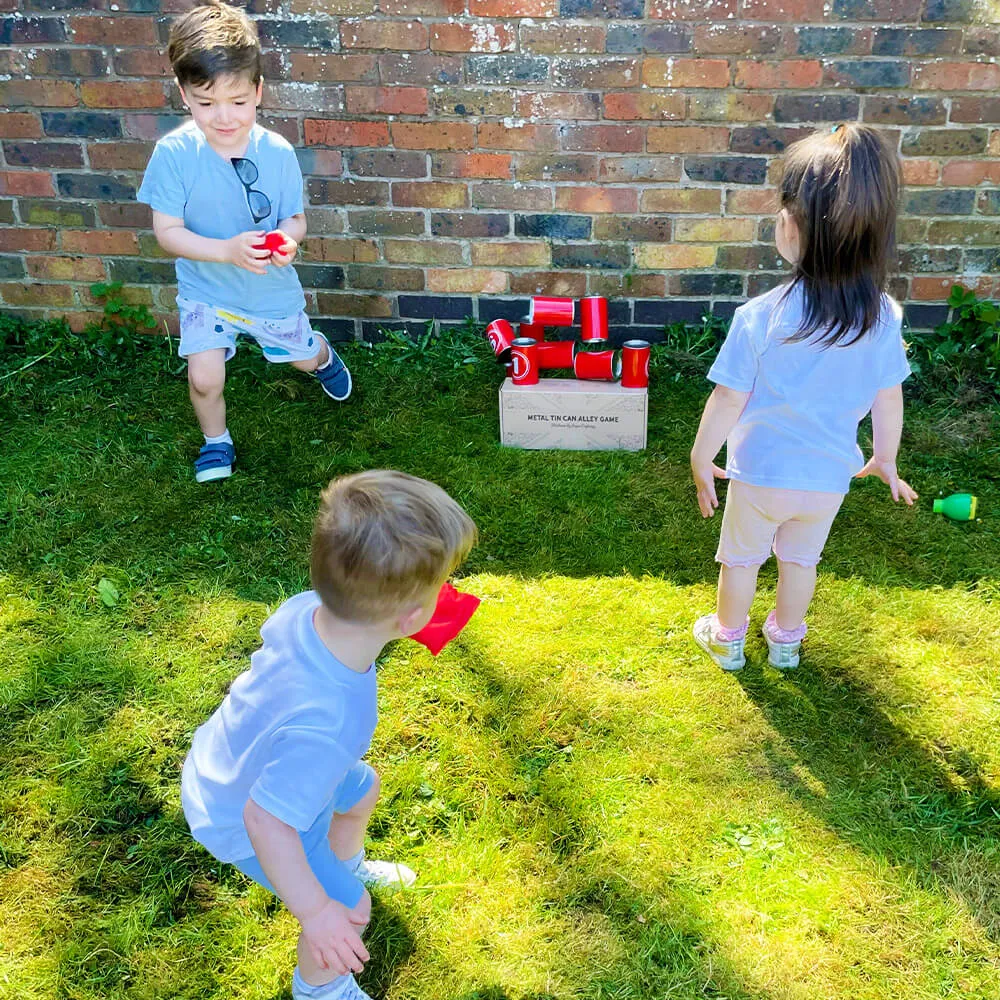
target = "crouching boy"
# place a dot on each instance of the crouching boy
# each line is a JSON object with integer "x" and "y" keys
{"x": 275, "y": 782}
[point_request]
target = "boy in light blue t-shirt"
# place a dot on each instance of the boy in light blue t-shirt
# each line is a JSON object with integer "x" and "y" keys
{"x": 275, "y": 783}
{"x": 218, "y": 185}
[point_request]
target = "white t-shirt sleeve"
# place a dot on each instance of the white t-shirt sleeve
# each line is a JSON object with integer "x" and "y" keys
{"x": 303, "y": 771}
{"x": 893, "y": 368}
{"x": 162, "y": 186}
{"x": 738, "y": 359}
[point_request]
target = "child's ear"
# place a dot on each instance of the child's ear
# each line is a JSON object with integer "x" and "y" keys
{"x": 411, "y": 620}
{"x": 260, "y": 91}
{"x": 184, "y": 97}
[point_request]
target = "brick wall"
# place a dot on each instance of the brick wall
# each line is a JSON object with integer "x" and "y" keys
{"x": 461, "y": 155}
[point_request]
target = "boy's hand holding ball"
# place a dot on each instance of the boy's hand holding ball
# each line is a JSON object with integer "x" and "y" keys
{"x": 245, "y": 250}
{"x": 280, "y": 246}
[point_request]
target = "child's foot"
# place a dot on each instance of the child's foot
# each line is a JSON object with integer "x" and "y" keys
{"x": 726, "y": 652}
{"x": 782, "y": 646}
{"x": 214, "y": 461}
{"x": 344, "y": 988}
{"x": 385, "y": 874}
{"x": 334, "y": 377}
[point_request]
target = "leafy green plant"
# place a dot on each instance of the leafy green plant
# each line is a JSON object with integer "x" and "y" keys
{"x": 968, "y": 342}
{"x": 457, "y": 347}
{"x": 115, "y": 335}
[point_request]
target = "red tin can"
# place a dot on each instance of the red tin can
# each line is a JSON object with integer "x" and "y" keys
{"x": 528, "y": 329}
{"x": 556, "y": 354}
{"x": 603, "y": 366}
{"x": 635, "y": 364}
{"x": 524, "y": 355}
{"x": 546, "y": 311}
{"x": 501, "y": 335}
{"x": 593, "y": 319}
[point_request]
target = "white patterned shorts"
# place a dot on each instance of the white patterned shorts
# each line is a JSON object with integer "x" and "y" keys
{"x": 206, "y": 328}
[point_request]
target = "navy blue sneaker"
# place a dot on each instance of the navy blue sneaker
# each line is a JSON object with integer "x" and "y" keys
{"x": 335, "y": 378}
{"x": 214, "y": 461}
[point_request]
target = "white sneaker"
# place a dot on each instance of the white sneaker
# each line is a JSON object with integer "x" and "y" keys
{"x": 781, "y": 655}
{"x": 385, "y": 874}
{"x": 344, "y": 988}
{"x": 728, "y": 655}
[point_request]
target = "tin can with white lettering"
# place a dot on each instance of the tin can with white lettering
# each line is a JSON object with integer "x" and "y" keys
{"x": 524, "y": 356}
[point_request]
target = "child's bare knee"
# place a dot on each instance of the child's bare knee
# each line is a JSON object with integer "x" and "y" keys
{"x": 207, "y": 380}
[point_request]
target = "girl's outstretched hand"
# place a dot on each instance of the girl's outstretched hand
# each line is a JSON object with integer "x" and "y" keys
{"x": 704, "y": 480}
{"x": 886, "y": 471}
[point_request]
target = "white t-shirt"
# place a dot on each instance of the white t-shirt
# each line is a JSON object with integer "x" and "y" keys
{"x": 285, "y": 735}
{"x": 799, "y": 429}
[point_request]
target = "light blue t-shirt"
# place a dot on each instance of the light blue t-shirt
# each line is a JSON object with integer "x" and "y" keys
{"x": 799, "y": 429}
{"x": 189, "y": 180}
{"x": 285, "y": 735}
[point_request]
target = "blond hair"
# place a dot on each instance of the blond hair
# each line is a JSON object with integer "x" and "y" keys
{"x": 383, "y": 539}
{"x": 211, "y": 40}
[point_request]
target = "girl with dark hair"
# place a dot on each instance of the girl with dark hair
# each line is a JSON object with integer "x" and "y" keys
{"x": 801, "y": 367}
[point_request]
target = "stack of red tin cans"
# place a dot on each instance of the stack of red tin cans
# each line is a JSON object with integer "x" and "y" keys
{"x": 527, "y": 353}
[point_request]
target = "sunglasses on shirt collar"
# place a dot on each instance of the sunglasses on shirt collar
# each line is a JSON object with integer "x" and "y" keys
{"x": 258, "y": 202}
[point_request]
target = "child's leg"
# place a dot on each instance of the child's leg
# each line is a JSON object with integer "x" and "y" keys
{"x": 796, "y": 586}
{"x": 206, "y": 380}
{"x": 737, "y": 585}
{"x": 311, "y": 364}
{"x": 347, "y": 829}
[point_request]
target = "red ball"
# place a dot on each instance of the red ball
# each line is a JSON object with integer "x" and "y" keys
{"x": 273, "y": 242}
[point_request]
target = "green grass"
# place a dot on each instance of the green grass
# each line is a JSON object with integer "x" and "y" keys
{"x": 595, "y": 811}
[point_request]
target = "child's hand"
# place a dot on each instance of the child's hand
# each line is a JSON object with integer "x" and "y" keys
{"x": 284, "y": 256}
{"x": 242, "y": 252}
{"x": 333, "y": 940}
{"x": 886, "y": 471}
{"x": 705, "y": 475}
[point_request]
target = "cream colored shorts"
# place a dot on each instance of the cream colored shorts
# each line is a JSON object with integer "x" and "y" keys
{"x": 757, "y": 520}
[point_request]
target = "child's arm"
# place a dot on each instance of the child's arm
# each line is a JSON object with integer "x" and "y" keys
{"x": 237, "y": 250}
{"x": 330, "y": 928}
{"x": 294, "y": 230}
{"x": 721, "y": 412}
{"x": 887, "y": 429}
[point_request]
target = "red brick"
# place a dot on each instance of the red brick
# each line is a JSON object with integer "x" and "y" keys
{"x": 37, "y": 295}
{"x": 429, "y": 194}
{"x": 323, "y": 132}
{"x": 117, "y": 30}
{"x": 386, "y": 100}
{"x": 919, "y": 172}
{"x": 420, "y": 68}
{"x": 341, "y": 251}
{"x": 319, "y": 8}
{"x": 687, "y": 139}
{"x": 644, "y": 105}
{"x": 66, "y": 268}
{"x": 770, "y": 11}
{"x": 752, "y": 201}
{"x": 716, "y": 107}
{"x": 428, "y": 135}
{"x": 20, "y": 125}
{"x": 480, "y": 37}
{"x": 125, "y": 215}
{"x": 142, "y": 62}
{"x": 465, "y": 279}
{"x": 478, "y": 101}
{"x": 698, "y": 201}
{"x": 425, "y": 8}
{"x": 629, "y": 169}
{"x": 975, "y": 109}
{"x": 597, "y": 199}
{"x": 66, "y": 62}
{"x": 736, "y": 39}
{"x": 968, "y": 173}
{"x": 114, "y": 242}
{"x": 321, "y": 162}
{"x": 956, "y": 76}
{"x": 571, "y": 284}
{"x": 545, "y": 167}
{"x": 685, "y": 73}
{"x": 484, "y": 165}
{"x": 693, "y": 10}
{"x": 423, "y": 252}
{"x": 596, "y": 74}
{"x": 603, "y": 138}
{"x": 498, "y": 135}
{"x": 29, "y": 183}
{"x": 122, "y": 94}
{"x": 380, "y": 34}
{"x": 24, "y": 240}
{"x": 514, "y": 8}
{"x": 560, "y": 107}
{"x": 119, "y": 155}
{"x": 551, "y": 39}
{"x": 487, "y": 253}
{"x": 38, "y": 93}
{"x": 796, "y": 73}
{"x": 330, "y": 67}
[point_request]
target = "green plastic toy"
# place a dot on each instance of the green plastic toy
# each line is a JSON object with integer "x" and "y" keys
{"x": 957, "y": 507}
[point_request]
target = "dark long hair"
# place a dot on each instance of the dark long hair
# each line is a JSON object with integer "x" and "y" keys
{"x": 842, "y": 189}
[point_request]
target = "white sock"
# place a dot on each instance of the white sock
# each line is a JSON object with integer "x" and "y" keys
{"x": 354, "y": 863}
{"x": 303, "y": 989}
{"x": 224, "y": 438}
